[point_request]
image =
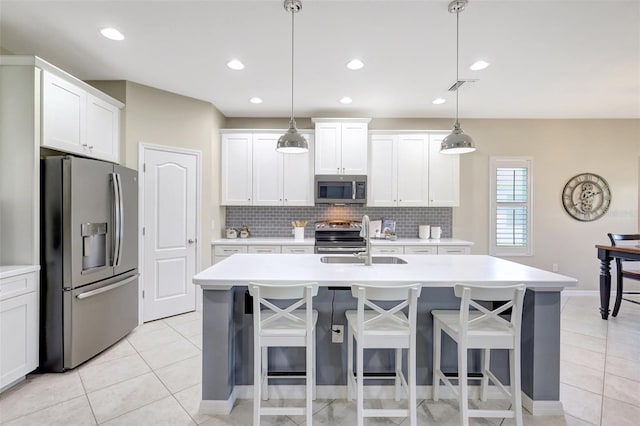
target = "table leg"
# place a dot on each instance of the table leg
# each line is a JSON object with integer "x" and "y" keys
{"x": 605, "y": 285}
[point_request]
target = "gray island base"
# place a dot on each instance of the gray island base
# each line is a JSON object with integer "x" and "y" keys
{"x": 227, "y": 339}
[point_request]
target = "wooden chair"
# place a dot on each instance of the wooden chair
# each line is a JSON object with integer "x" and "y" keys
{"x": 484, "y": 329}
{"x": 383, "y": 328}
{"x": 283, "y": 327}
{"x": 622, "y": 272}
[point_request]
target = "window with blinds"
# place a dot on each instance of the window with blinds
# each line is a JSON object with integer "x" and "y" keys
{"x": 511, "y": 206}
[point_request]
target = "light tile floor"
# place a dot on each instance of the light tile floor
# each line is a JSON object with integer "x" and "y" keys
{"x": 152, "y": 377}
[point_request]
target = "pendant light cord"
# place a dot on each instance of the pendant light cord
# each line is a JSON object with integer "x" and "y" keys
{"x": 457, "y": 59}
{"x": 292, "y": 55}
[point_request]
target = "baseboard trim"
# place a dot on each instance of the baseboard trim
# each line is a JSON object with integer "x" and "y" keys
{"x": 218, "y": 406}
{"x": 542, "y": 408}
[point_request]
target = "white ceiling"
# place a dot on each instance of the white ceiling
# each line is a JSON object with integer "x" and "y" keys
{"x": 549, "y": 59}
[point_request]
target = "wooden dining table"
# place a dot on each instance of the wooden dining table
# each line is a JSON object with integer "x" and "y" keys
{"x": 606, "y": 254}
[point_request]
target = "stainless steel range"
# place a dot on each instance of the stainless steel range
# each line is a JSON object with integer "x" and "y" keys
{"x": 339, "y": 236}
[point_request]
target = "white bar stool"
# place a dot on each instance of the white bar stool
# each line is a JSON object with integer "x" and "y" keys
{"x": 481, "y": 329}
{"x": 285, "y": 327}
{"x": 383, "y": 328}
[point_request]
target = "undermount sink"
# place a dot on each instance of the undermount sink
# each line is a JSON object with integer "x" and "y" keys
{"x": 387, "y": 260}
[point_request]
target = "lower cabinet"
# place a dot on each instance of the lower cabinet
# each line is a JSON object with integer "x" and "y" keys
{"x": 222, "y": 251}
{"x": 19, "y": 327}
{"x": 454, "y": 250}
{"x": 387, "y": 250}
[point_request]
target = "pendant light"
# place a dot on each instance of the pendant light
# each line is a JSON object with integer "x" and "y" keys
{"x": 292, "y": 142}
{"x": 457, "y": 142}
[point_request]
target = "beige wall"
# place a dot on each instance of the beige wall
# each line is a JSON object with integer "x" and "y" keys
{"x": 560, "y": 150}
{"x": 158, "y": 117}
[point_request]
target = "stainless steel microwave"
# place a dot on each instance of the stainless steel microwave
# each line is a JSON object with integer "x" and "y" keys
{"x": 341, "y": 189}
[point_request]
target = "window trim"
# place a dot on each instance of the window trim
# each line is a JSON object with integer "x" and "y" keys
{"x": 494, "y": 164}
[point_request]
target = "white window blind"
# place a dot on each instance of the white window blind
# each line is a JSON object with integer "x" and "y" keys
{"x": 511, "y": 206}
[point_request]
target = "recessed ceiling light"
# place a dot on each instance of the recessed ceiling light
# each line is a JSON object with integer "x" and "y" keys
{"x": 112, "y": 34}
{"x": 438, "y": 101}
{"x": 355, "y": 64}
{"x": 255, "y": 100}
{"x": 479, "y": 65}
{"x": 235, "y": 64}
{"x": 346, "y": 100}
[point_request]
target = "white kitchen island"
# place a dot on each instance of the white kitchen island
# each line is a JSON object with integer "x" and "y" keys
{"x": 227, "y": 321}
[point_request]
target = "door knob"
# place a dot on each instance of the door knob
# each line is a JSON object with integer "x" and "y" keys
{"x": 190, "y": 241}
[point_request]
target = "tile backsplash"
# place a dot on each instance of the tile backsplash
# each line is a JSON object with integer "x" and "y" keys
{"x": 276, "y": 221}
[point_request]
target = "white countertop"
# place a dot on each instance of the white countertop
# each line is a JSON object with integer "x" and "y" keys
{"x": 8, "y": 271}
{"x": 432, "y": 271}
{"x": 259, "y": 241}
{"x": 311, "y": 241}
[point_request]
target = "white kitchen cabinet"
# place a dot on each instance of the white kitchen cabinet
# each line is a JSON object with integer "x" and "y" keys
{"x": 76, "y": 121}
{"x": 103, "y": 129}
{"x": 443, "y": 249}
{"x": 64, "y": 108}
{"x": 444, "y": 175}
{"x": 399, "y": 170}
{"x": 387, "y": 250}
{"x": 221, "y": 252}
{"x": 262, "y": 249}
{"x": 407, "y": 170}
{"x": 255, "y": 174}
{"x": 237, "y": 169}
{"x": 19, "y": 325}
{"x": 417, "y": 249}
{"x": 298, "y": 249}
{"x": 341, "y": 146}
{"x": 267, "y": 171}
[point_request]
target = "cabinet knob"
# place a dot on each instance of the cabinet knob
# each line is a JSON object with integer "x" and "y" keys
{"x": 338, "y": 169}
{"x": 84, "y": 144}
{"x": 280, "y": 199}
{"x": 343, "y": 170}
{"x": 248, "y": 199}
{"x": 90, "y": 146}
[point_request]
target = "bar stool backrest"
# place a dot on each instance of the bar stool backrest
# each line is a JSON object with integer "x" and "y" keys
{"x": 300, "y": 294}
{"x": 512, "y": 295}
{"x": 407, "y": 295}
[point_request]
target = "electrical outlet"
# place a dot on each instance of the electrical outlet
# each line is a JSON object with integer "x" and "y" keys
{"x": 554, "y": 267}
{"x": 337, "y": 333}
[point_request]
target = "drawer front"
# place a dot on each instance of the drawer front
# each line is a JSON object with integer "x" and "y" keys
{"x": 420, "y": 250}
{"x": 229, "y": 250}
{"x": 18, "y": 337}
{"x": 264, "y": 249}
{"x": 20, "y": 284}
{"x": 297, "y": 249}
{"x": 454, "y": 250}
{"x": 387, "y": 250}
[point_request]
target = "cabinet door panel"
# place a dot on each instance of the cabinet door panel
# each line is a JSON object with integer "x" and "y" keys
{"x": 18, "y": 337}
{"x": 267, "y": 171}
{"x": 413, "y": 160}
{"x": 354, "y": 148}
{"x": 236, "y": 167}
{"x": 103, "y": 129}
{"x": 382, "y": 179}
{"x": 444, "y": 175}
{"x": 328, "y": 148}
{"x": 63, "y": 115}
{"x": 298, "y": 177}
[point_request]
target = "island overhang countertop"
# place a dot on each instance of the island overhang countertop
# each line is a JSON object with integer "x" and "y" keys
{"x": 431, "y": 271}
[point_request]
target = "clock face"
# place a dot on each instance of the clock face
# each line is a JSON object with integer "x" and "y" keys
{"x": 586, "y": 197}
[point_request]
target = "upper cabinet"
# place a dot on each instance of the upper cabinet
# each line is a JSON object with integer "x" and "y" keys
{"x": 341, "y": 146}
{"x": 76, "y": 121}
{"x": 407, "y": 170}
{"x": 255, "y": 174}
{"x": 444, "y": 175}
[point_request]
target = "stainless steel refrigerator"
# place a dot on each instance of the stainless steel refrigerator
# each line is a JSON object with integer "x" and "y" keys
{"x": 89, "y": 271}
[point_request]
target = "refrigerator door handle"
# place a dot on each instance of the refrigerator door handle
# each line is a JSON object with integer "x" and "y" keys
{"x": 116, "y": 231}
{"x": 106, "y": 288}
{"x": 121, "y": 215}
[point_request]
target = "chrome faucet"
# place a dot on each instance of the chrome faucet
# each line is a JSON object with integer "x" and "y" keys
{"x": 364, "y": 232}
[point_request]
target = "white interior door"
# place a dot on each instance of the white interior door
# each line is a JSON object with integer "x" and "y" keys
{"x": 170, "y": 217}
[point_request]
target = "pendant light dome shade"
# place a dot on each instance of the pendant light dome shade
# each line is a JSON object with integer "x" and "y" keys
{"x": 292, "y": 142}
{"x": 457, "y": 142}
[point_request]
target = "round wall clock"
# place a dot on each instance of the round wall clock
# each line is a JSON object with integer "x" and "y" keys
{"x": 586, "y": 197}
